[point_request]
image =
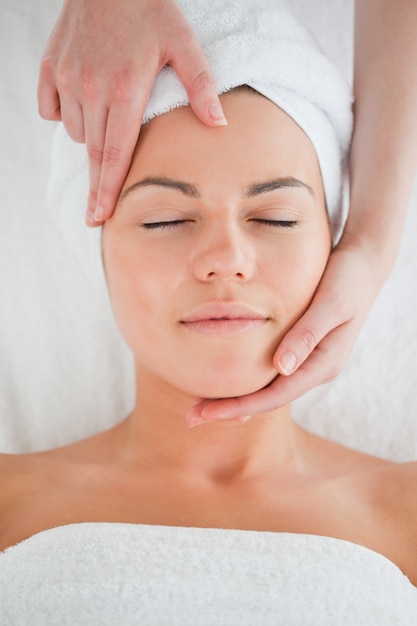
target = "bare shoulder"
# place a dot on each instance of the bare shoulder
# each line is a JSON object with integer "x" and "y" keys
{"x": 14, "y": 468}
{"x": 21, "y": 473}
{"x": 14, "y": 472}
{"x": 384, "y": 495}
{"x": 12, "y": 465}
{"x": 394, "y": 493}
{"x": 25, "y": 481}
{"x": 400, "y": 487}
{"x": 399, "y": 480}
{"x": 391, "y": 488}
{"x": 16, "y": 464}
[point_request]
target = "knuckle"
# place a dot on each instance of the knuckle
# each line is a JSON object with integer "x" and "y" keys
{"x": 46, "y": 68}
{"x": 48, "y": 111}
{"x": 123, "y": 86}
{"x": 89, "y": 84}
{"x": 95, "y": 154}
{"x": 65, "y": 78}
{"x": 202, "y": 80}
{"x": 112, "y": 156}
{"x": 308, "y": 339}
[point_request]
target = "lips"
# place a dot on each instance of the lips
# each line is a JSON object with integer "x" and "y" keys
{"x": 224, "y": 319}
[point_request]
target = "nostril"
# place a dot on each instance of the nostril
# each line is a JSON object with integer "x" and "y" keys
{"x": 220, "y": 274}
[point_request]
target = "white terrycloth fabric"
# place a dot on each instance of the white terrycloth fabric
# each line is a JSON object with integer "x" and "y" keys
{"x": 253, "y": 42}
{"x": 103, "y": 574}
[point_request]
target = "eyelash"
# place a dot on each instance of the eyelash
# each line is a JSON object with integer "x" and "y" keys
{"x": 277, "y": 223}
{"x": 175, "y": 223}
{"x": 162, "y": 225}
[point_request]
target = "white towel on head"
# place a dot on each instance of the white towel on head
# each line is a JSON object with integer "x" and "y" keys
{"x": 253, "y": 42}
{"x": 101, "y": 574}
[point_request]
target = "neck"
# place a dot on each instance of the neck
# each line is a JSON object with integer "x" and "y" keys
{"x": 156, "y": 433}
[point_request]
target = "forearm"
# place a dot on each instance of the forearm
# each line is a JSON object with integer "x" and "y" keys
{"x": 384, "y": 148}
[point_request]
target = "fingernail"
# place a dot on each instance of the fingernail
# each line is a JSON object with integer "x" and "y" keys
{"x": 90, "y": 216}
{"x": 194, "y": 418}
{"x": 99, "y": 213}
{"x": 216, "y": 114}
{"x": 197, "y": 422}
{"x": 287, "y": 362}
{"x": 205, "y": 414}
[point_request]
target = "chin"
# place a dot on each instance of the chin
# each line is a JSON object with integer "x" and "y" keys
{"x": 230, "y": 387}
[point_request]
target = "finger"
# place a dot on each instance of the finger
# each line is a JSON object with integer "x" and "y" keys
{"x": 48, "y": 98}
{"x": 49, "y": 106}
{"x": 193, "y": 70}
{"x": 73, "y": 120}
{"x": 296, "y": 346}
{"x": 322, "y": 366}
{"x": 122, "y": 132}
{"x": 193, "y": 416}
{"x": 95, "y": 121}
{"x": 264, "y": 400}
{"x": 55, "y": 103}
{"x": 320, "y": 319}
{"x": 279, "y": 393}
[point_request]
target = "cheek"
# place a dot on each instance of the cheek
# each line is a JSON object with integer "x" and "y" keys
{"x": 141, "y": 285}
{"x": 122, "y": 266}
{"x": 297, "y": 276}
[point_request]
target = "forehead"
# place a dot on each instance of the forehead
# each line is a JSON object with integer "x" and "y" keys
{"x": 260, "y": 142}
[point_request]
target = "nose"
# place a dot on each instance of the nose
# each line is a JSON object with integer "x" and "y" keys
{"x": 224, "y": 253}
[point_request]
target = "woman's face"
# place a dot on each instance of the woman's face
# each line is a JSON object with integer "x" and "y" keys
{"x": 216, "y": 246}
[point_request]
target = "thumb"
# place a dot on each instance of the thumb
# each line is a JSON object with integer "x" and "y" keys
{"x": 296, "y": 346}
{"x": 193, "y": 70}
{"x": 325, "y": 313}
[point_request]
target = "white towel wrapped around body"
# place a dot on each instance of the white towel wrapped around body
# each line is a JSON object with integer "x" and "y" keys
{"x": 247, "y": 42}
{"x": 102, "y": 574}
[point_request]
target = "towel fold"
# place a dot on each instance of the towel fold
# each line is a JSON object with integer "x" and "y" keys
{"x": 102, "y": 574}
{"x": 254, "y": 42}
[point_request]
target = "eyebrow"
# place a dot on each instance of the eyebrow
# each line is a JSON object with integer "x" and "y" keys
{"x": 162, "y": 181}
{"x": 257, "y": 189}
{"x": 250, "y": 191}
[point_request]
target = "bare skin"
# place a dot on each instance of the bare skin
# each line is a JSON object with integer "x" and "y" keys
{"x": 215, "y": 244}
{"x": 97, "y": 71}
{"x": 100, "y": 480}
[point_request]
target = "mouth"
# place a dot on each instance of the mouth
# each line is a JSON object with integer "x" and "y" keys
{"x": 224, "y": 320}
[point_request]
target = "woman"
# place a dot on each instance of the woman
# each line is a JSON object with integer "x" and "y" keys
{"x": 216, "y": 247}
{"x": 96, "y": 75}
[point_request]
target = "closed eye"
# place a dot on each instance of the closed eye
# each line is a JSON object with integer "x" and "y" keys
{"x": 162, "y": 225}
{"x": 276, "y": 223}
{"x": 262, "y": 222}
